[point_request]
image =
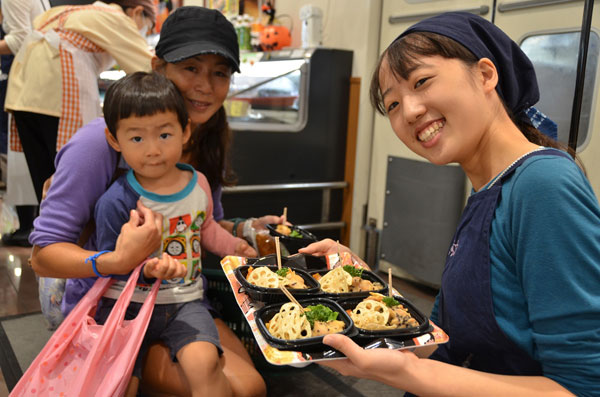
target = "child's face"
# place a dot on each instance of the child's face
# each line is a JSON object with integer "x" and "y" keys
{"x": 151, "y": 145}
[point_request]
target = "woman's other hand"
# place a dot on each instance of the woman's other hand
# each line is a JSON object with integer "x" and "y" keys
{"x": 324, "y": 247}
{"x": 244, "y": 249}
{"x": 383, "y": 365}
{"x": 139, "y": 237}
{"x": 164, "y": 268}
{"x": 328, "y": 247}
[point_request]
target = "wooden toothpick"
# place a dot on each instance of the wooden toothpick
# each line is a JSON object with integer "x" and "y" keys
{"x": 291, "y": 297}
{"x": 390, "y": 293}
{"x": 278, "y": 253}
{"x": 284, "y": 215}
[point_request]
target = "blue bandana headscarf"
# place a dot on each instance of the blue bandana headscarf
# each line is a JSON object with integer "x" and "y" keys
{"x": 517, "y": 83}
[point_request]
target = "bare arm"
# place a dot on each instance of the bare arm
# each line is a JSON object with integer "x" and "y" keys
{"x": 405, "y": 371}
{"x": 4, "y": 49}
{"x": 139, "y": 237}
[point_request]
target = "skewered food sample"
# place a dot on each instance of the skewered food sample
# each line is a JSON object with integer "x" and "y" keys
{"x": 266, "y": 278}
{"x": 291, "y": 323}
{"x": 346, "y": 279}
{"x": 378, "y": 312}
{"x": 288, "y": 231}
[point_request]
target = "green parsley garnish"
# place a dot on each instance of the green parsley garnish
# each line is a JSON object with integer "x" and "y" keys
{"x": 295, "y": 233}
{"x": 354, "y": 271}
{"x": 390, "y": 302}
{"x": 319, "y": 313}
{"x": 283, "y": 271}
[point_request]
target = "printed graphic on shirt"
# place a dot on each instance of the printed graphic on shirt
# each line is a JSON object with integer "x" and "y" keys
{"x": 175, "y": 246}
{"x": 195, "y": 243}
{"x": 196, "y": 270}
{"x": 200, "y": 217}
{"x": 179, "y": 224}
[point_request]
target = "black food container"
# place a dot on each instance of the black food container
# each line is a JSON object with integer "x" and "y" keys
{"x": 366, "y": 275}
{"x": 272, "y": 295}
{"x": 296, "y": 261}
{"x": 293, "y": 244}
{"x": 312, "y": 344}
{"x": 365, "y": 335}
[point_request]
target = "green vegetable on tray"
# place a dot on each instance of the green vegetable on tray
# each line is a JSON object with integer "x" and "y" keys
{"x": 354, "y": 271}
{"x": 390, "y": 302}
{"x": 295, "y": 233}
{"x": 283, "y": 271}
{"x": 319, "y": 313}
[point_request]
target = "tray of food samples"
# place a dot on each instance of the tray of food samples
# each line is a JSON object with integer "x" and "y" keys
{"x": 322, "y": 295}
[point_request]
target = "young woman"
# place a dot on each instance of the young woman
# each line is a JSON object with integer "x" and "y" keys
{"x": 519, "y": 296}
{"x": 198, "y": 51}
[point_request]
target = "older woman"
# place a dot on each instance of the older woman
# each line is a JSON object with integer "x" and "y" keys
{"x": 198, "y": 51}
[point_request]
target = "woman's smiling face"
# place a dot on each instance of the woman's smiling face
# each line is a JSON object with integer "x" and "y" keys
{"x": 438, "y": 111}
{"x": 203, "y": 81}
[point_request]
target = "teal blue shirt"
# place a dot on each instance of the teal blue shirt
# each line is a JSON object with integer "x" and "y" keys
{"x": 545, "y": 270}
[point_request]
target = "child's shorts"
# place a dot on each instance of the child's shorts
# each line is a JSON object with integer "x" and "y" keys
{"x": 176, "y": 325}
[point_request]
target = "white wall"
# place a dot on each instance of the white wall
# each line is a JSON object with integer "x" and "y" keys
{"x": 352, "y": 25}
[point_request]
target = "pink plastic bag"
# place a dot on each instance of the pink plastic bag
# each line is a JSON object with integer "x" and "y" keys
{"x": 85, "y": 359}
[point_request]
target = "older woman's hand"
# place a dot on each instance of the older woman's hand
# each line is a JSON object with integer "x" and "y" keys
{"x": 140, "y": 237}
{"x": 244, "y": 249}
{"x": 262, "y": 222}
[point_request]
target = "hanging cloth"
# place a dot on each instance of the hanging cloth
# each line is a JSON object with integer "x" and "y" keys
{"x": 81, "y": 63}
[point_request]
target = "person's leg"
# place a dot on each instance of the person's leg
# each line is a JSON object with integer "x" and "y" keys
{"x": 38, "y": 133}
{"x": 203, "y": 369}
{"x": 243, "y": 377}
{"x": 164, "y": 375}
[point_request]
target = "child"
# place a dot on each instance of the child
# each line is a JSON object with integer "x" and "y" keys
{"x": 148, "y": 124}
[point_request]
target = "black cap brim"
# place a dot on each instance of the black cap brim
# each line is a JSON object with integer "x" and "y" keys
{"x": 199, "y": 48}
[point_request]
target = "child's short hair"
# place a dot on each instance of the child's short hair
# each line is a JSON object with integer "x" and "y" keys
{"x": 142, "y": 94}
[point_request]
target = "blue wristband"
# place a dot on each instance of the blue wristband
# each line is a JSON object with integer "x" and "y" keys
{"x": 93, "y": 260}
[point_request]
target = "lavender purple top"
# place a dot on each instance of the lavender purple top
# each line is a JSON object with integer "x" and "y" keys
{"x": 84, "y": 170}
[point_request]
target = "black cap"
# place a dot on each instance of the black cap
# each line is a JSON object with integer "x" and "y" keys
{"x": 189, "y": 31}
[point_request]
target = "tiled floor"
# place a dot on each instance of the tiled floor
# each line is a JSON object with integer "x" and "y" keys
{"x": 18, "y": 288}
{"x": 19, "y": 294}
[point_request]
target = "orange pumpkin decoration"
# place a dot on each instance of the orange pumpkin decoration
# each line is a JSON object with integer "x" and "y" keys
{"x": 275, "y": 37}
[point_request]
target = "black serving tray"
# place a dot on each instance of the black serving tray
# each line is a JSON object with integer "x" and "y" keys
{"x": 307, "y": 345}
{"x": 296, "y": 261}
{"x": 366, "y": 336}
{"x": 293, "y": 244}
{"x": 272, "y": 295}
{"x": 366, "y": 275}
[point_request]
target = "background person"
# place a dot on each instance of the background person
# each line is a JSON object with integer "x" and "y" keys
{"x": 17, "y": 22}
{"x": 519, "y": 296}
{"x": 53, "y": 88}
{"x": 198, "y": 51}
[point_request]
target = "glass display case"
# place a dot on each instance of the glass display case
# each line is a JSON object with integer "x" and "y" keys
{"x": 271, "y": 92}
{"x": 288, "y": 110}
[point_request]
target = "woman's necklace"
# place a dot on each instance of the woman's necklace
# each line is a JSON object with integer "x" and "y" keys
{"x": 510, "y": 166}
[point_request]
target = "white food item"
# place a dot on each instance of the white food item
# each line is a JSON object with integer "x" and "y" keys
{"x": 336, "y": 281}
